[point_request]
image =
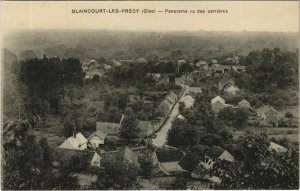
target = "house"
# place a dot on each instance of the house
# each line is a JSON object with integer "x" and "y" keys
{"x": 126, "y": 61}
{"x": 62, "y": 155}
{"x": 180, "y": 117}
{"x": 195, "y": 90}
{"x": 244, "y": 104}
{"x": 168, "y": 102}
{"x": 116, "y": 63}
{"x": 212, "y": 156}
{"x": 239, "y": 68}
{"x": 141, "y": 60}
{"x": 268, "y": 114}
{"x": 97, "y": 138}
{"x": 277, "y": 148}
{"x": 188, "y": 101}
{"x": 221, "y": 69}
{"x": 202, "y": 65}
{"x": 179, "y": 64}
{"x": 75, "y": 142}
{"x": 226, "y": 82}
{"x": 123, "y": 155}
{"x": 166, "y": 162}
{"x": 217, "y": 104}
{"x": 146, "y": 129}
{"x": 109, "y": 128}
{"x": 107, "y": 67}
{"x": 214, "y": 61}
{"x": 232, "y": 90}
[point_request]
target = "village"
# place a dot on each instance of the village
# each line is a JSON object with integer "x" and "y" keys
{"x": 223, "y": 121}
{"x": 167, "y": 161}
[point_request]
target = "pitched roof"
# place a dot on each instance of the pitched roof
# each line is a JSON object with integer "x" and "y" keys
{"x": 124, "y": 154}
{"x": 172, "y": 167}
{"x": 214, "y": 152}
{"x": 108, "y": 128}
{"x": 181, "y": 61}
{"x": 141, "y": 60}
{"x": 226, "y": 156}
{"x": 219, "y": 153}
{"x": 187, "y": 98}
{"x": 232, "y": 89}
{"x": 74, "y": 142}
{"x": 217, "y": 98}
{"x": 173, "y": 95}
{"x": 239, "y": 67}
{"x": 277, "y": 148}
{"x": 265, "y": 109}
{"x": 180, "y": 117}
{"x": 243, "y": 101}
{"x": 99, "y": 134}
{"x": 224, "y": 81}
{"x": 81, "y": 138}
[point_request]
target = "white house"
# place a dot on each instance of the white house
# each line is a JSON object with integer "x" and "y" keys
{"x": 244, "y": 104}
{"x": 232, "y": 90}
{"x": 96, "y": 160}
{"x": 277, "y": 148}
{"x": 188, "y": 101}
{"x": 76, "y": 142}
{"x": 97, "y": 138}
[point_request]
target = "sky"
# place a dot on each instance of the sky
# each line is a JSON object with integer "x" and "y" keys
{"x": 280, "y": 16}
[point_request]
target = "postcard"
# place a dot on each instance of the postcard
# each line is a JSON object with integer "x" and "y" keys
{"x": 149, "y": 95}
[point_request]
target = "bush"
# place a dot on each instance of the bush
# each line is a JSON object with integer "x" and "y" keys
{"x": 289, "y": 115}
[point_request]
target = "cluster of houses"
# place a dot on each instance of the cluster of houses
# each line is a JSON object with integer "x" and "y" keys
{"x": 168, "y": 102}
{"x": 92, "y": 67}
{"x": 214, "y": 70}
{"x": 166, "y": 161}
{"x": 266, "y": 113}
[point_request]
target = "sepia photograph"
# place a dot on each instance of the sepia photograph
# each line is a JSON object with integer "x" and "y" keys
{"x": 153, "y": 95}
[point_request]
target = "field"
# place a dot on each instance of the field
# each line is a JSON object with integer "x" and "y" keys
{"x": 291, "y": 133}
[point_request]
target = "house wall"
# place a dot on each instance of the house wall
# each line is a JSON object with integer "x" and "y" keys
{"x": 96, "y": 160}
{"x": 96, "y": 141}
{"x": 217, "y": 106}
{"x": 83, "y": 147}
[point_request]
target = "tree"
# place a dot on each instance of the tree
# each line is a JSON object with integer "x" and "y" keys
{"x": 180, "y": 183}
{"x": 129, "y": 127}
{"x": 146, "y": 165}
{"x": 240, "y": 118}
{"x": 257, "y": 168}
{"x": 183, "y": 134}
{"x": 116, "y": 175}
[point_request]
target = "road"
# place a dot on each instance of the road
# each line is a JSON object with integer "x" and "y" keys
{"x": 161, "y": 137}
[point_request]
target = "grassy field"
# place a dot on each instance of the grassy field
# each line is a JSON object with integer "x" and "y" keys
{"x": 291, "y": 133}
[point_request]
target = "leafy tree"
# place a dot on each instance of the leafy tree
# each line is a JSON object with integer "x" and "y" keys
{"x": 129, "y": 127}
{"x": 240, "y": 118}
{"x": 289, "y": 115}
{"x": 146, "y": 165}
{"x": 180, "y": 183}
{"x": 116, "y": 175}
{"x": 257, "y": 168}
{"x": 183, "y": 134}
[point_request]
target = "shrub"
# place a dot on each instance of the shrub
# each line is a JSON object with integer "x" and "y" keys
{"x": 289, "y": 115}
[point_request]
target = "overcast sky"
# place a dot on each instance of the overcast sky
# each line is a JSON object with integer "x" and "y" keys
{"x": 245, "y": 15}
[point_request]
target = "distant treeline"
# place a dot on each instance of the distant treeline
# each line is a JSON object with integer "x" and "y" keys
{"x": 91, "y": 44}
